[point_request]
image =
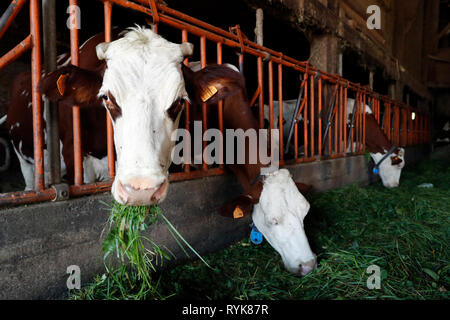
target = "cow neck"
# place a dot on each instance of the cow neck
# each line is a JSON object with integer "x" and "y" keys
{"x": 238, "y": 115}
{"x": 376, "y": 139}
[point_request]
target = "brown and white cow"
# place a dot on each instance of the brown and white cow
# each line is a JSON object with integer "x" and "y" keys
{"x": 93, "y": 120}
{"x": 274, "y": 200}
{"x": 388, "y": 158}
{"x": 143, "y": 88}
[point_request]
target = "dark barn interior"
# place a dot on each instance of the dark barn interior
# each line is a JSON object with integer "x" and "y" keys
{"x": 400, "y": 66}
{"x": 407, "y": 60}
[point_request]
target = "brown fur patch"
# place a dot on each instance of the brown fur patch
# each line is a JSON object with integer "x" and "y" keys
{"x": 223, "y": 79}
{"x": 376, "y": 139}
{"x": 114, "y": 109}
{"x": 303, "y": 188}
{"x": 396, "y": 160}
{"x": 79, "y": 86}
{"x": 175, "y": 109}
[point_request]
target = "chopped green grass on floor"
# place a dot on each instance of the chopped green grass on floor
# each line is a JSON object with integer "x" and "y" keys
{"x": 405, "y": 231}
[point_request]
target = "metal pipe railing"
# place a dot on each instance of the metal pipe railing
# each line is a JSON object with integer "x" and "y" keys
{"x": 187, "y": 167}
{"x": 220, "y": 110}
{"x": 406, "y": 130}
{"x": 50, "y": 108}
{"x": 9, "y": 15}
{"x": 15, "y": 53}
{"x": 36, "y": 71}
{"x": 109, "y": 127}
{"x": 280, "y": 111}
{"x": 74, "y": 55}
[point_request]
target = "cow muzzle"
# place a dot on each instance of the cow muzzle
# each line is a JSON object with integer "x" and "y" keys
{"x": 140, "y": 192}
{"x": 303, "y": 268}
{"x": 307, "y": 267}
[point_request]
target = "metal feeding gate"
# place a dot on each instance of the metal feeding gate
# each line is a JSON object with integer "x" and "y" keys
{"x": 321, "y": 102}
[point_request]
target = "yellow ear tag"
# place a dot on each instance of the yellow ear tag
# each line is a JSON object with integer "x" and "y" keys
{"x": 61, "y": 83}
{"x": 208, "y": 93}
{"x": 238, "y": 213}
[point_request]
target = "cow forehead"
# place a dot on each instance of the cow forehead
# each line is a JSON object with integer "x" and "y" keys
{"x": 280, "y": 191}
{"x": 145, "y": 66}
{"x": 137, "y": 85}
{"x": 139, "y": 42}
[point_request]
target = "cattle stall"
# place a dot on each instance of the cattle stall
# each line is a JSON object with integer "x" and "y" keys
{"x": 323, "y": 93}
{"x": 322, "y": 142}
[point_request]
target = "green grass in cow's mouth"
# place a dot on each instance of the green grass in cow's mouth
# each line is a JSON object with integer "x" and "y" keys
{"x": 131, "y": 258}
{"x": 128, "y": 261}
{"x": 405, "y": 231}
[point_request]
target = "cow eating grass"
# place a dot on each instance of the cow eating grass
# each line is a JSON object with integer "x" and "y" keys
{"x": 389, "y": 159}
{"x": 143, "y": 86}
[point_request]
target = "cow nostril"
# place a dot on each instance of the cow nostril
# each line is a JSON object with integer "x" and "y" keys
{"x": 160, "y": 191}
{"x": 131, "y": 195}
{"x": 307, "y": 267}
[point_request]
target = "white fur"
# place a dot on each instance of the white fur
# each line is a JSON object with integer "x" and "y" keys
{"x": 95, "y": 169}
{"x": 447, "y": 126}
{"x": 389, "y": 174}
{"x": 279, "y": 217}
{"x": 3, "y": 119}
{"x": 144, "y": 75}
{"x": 288, "y": 112}
{"x": 26, "y": 168}
{"x": 197, "y": 66}
{"x": 350, "y": 102}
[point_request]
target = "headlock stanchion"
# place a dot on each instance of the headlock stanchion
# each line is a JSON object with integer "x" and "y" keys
{"x": 403, "y": 125}
{"x": 296, "y": 114}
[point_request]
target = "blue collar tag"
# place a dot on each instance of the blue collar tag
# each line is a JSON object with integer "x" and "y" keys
{"x": 255, "y": 236}
{"x": 376, "y": 170}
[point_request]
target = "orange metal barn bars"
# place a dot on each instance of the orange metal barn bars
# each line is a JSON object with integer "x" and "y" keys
{"x": 401, "y": 123}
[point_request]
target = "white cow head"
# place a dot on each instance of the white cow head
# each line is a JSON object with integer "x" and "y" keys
{"x": 279, "y": 217}
{"x": 391, "y": 168}
{"x": 143, "y": 90}
{"x": 142, "y": 85}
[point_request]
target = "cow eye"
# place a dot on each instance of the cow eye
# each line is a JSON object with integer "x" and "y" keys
{"x": 175, "y": 108}
{"x": 111, "y": 104}
{"x": 396, "y": 160}
{"x": 273, "y": 221}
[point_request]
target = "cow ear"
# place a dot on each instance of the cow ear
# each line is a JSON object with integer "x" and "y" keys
{"x": 237, "y": 208}
{"x": 212, "y": 84}
{"x": 101, "y": 49}
{"x": 73, "y": 85}
{"x": 187, "y": 49}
